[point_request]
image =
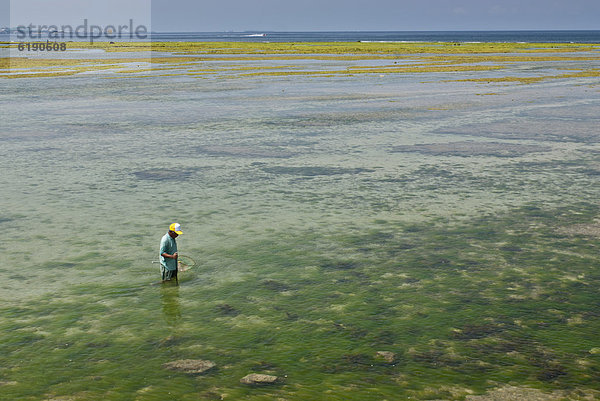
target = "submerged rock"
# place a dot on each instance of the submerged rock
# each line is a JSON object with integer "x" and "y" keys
{"x": 165, "y": 174}
{"x": 258, "y": 379}
{"x": 190, "y": 366}
{"x": 387, "y": 356}
{"x": 472, "y": 148}
{"x": 510, "y": 393}
{"x": 314, "y": 171}
{"x": 590, "y": 230}
{"x": 275, "y": 285}
{"x": 245, "y": 151}
{"x": 227, "y": 310}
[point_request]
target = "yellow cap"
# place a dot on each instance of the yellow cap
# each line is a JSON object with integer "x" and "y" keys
{"x": 176, "y": 227}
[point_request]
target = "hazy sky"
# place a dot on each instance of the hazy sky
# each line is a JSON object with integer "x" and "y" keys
{"x": 306, "y": 15}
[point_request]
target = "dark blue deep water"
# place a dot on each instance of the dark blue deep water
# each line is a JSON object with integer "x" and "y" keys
{"x": 424, "y": 36}
{"x": 408, "y": 36}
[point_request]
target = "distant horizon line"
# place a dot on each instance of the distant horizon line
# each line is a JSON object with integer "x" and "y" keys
{"x": 365, "y": 30}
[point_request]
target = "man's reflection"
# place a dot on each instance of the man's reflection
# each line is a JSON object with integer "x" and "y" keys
{"x": 169, "y": 295}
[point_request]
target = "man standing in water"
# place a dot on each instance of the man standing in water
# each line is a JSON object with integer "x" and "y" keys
{"x": 168, "y": 253}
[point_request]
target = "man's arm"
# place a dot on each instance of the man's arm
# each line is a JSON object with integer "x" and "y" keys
{"x": 164, "y": 247}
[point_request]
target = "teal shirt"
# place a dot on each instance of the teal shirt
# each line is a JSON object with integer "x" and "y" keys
{"x": 168, "y": 245}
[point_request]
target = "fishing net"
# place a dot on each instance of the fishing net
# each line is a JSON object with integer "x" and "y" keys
{"x": 185, "y": 263}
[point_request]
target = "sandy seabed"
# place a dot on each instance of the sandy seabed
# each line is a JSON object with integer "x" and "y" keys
{"x": 437, "y": 208}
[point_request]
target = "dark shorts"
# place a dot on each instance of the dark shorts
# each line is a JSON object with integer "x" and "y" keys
{"x": 168, "y": 274}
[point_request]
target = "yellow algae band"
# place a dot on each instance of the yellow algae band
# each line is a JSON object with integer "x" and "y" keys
{"x": 334, "y": 47}
{"x": 246, "y": 59}
{"x": 340, "y": 47}
{"x": 594, "y": 73}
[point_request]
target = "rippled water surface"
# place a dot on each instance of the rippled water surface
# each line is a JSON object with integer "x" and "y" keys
{"x": 454, "y": 224}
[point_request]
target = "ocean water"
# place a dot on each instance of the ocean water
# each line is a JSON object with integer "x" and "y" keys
{"x": 408, "y": 36}
{"x": 454, "y": 224}
{"x": 366, "y": 36}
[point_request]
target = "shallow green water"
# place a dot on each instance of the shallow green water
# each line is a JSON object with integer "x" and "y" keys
{"x": 322, "y": 236}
